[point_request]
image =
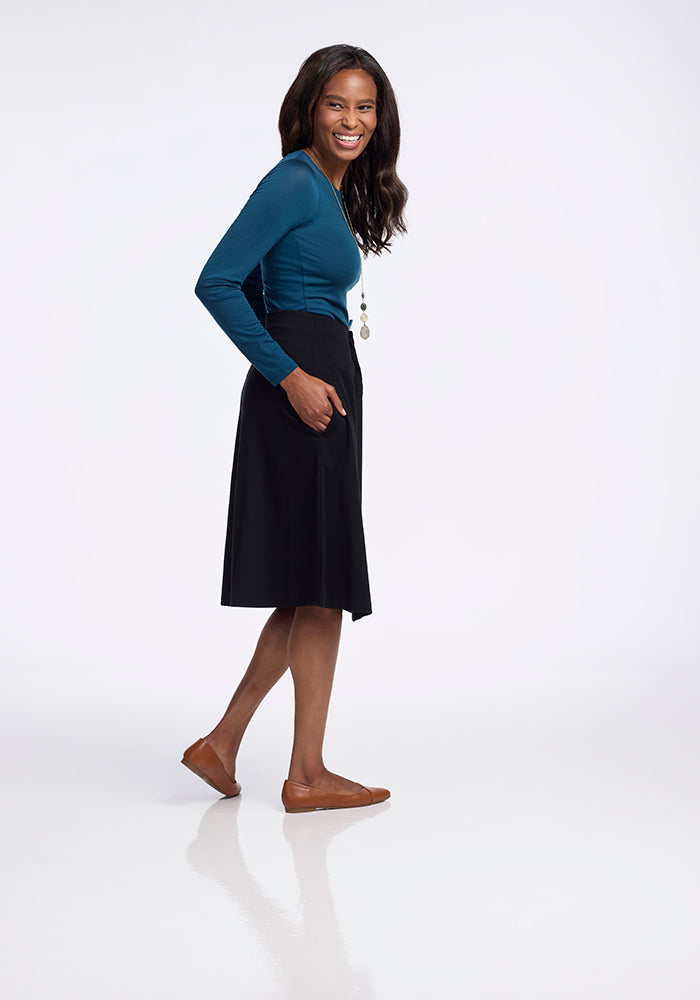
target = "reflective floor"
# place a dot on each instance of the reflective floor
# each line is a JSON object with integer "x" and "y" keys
{"x": 540, "y": 844}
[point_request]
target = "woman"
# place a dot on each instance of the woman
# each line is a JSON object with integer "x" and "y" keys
{"x": 277, "y": 284}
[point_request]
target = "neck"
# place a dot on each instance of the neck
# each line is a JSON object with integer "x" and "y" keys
{"x": 334, "y": 170}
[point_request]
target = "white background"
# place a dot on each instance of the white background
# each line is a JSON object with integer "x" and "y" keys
{"x": 531, "y": 483}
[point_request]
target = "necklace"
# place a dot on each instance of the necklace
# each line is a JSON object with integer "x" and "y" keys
{"x": 364, "y": 329}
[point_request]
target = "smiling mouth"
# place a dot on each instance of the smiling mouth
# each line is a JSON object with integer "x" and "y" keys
{"x": 347, "y": 140}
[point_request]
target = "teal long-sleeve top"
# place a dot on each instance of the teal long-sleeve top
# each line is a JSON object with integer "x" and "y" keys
{"x": 294, "y": 228}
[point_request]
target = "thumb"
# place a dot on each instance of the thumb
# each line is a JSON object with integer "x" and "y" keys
{"x": 335, "y": 400}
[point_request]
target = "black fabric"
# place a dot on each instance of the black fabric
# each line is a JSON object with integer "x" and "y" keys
{"x": 294, "y": 534}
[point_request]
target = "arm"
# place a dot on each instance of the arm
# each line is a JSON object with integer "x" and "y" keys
{"x": 287, "y": 197}
{"x": 253, "y": 291}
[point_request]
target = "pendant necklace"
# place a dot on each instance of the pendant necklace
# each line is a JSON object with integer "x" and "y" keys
{"x": 364, "y": 329}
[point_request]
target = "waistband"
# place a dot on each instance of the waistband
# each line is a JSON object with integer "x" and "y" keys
{"x": 313, "y": 340}
{"x": 293, "y": 320}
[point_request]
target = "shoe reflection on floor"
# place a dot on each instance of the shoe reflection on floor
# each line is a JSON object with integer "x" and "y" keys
{"x": 305, "y": 956}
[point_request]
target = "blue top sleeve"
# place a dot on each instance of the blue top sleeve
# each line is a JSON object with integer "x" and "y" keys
{"x": 286, "y": 198}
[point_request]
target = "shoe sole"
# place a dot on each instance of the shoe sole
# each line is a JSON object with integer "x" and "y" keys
{"x": 202, "y": 775}
{"x": 312, "y": 809}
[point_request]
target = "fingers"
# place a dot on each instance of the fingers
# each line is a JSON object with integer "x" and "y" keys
{"x": 325, "y": 418}
{"x": 323, "y": 421}
{"x": 314, "y": 401}
{"x": 320, "y": 423}
{"x": 317, "y": 422}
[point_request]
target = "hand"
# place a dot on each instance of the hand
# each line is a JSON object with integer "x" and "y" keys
{"x": 312, "y": 398}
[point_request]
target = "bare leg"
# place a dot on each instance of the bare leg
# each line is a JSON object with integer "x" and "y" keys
{"x": 268, "y": 664}
{"x": 314, "y": 638}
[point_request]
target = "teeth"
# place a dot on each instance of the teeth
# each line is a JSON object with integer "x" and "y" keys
{"x": 347, "y": 138}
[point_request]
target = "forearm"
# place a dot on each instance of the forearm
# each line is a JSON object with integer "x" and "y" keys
{"x": 225, "y": 300}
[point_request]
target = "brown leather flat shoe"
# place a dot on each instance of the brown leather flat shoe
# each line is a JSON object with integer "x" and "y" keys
{"x": 298, "y": 798}
{"x": 204, "y": 762}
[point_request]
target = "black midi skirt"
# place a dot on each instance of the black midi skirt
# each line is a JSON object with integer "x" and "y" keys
{"x": 294, "y": 534}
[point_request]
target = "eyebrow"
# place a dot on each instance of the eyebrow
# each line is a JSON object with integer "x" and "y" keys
{"x": 337, "y": 97}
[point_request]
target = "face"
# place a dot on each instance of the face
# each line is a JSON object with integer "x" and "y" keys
{"x": 345, "y": 117}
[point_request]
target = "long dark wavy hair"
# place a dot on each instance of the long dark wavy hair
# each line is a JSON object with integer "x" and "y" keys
{"x": 374, "y": 195}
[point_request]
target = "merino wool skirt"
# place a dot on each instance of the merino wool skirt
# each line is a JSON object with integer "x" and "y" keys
{"x": 294, "y": 532}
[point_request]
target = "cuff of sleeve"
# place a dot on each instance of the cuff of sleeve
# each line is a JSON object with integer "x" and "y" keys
{"x": 275, "y": 376}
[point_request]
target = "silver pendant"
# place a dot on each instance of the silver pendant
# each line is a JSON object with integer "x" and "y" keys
{"x": 364, "y": 331}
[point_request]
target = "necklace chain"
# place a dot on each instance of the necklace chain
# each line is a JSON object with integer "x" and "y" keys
{"x": 364, "y": 329}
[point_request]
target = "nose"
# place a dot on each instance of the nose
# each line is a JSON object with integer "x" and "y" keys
{"x": 349, "y": 118}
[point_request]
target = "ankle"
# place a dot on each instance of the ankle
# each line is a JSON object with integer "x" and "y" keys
{"x": 223, "y": 743}
{"x": 307, "y": 775}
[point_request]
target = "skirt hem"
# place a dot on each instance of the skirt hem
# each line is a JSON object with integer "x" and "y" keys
{"x": 356, "y": 614}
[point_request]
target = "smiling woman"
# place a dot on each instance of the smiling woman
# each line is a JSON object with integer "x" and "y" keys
{"x": 277, "y": 284}
{"x": 344, "y": 122}
{"x": 375, "y": 196}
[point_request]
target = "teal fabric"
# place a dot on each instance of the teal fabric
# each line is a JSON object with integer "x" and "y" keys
{"x": 294, "y": 228}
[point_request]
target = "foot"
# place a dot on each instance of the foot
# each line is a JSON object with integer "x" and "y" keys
{"x": 203, "y": 761}
{"x": 299, "y": 796}
{"x": 325, "y": 780}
